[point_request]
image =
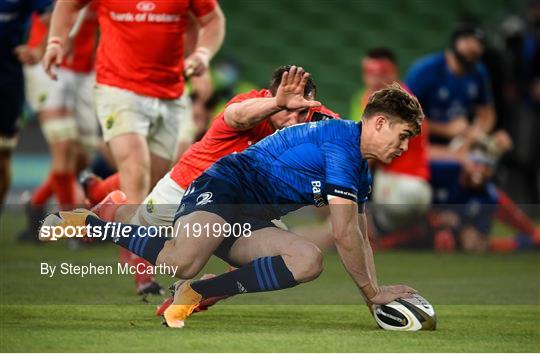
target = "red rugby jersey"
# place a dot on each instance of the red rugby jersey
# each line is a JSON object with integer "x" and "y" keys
{"x": 141, "y": 48}
{"x": 221, "y": 140}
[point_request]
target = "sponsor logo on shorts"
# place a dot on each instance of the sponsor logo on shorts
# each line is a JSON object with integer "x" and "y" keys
{"x": 146, "y": 6}
{"x": 150, "y": 206}
{"x": 204, "y": 198}
{"x": 42, "y": 97}
{"x": 109, "y": 122}
{"x": 189, "y": 190}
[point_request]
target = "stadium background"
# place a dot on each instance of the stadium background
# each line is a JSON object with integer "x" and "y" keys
{"x": 329, "y": 37}
{"x": 485, "y": 303}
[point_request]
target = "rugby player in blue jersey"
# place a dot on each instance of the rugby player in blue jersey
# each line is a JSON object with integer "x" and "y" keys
{"x": 315, "y": 163}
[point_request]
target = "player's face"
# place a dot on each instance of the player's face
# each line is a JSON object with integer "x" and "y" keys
{"x": 392, "y": 139}
{"x": 470, "y": 48}
{"x": 286, "y": 118}
{"x": 378, "y": 81}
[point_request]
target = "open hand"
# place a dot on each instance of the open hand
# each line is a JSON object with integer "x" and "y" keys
{"x": 290, "y": 93}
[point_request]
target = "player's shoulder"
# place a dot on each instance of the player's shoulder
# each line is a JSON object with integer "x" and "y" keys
{"x": 332, "y": 124}
{"x": 430, "y": 61}
{"x": 336, "y": 131}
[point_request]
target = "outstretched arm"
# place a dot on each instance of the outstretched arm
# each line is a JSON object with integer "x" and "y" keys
{"x": 356, "y": 254}
{"x": 290, "y": 95}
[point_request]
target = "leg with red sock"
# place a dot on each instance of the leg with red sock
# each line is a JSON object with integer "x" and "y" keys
{"x": 42, "y": 193}
{"x": 96, "y": 189}
{"x": 64, "y": 187}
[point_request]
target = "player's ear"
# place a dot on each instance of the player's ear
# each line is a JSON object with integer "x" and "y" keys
{"x": 379, "y": 121}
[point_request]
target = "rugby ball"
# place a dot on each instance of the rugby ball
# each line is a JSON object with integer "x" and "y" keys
{"x": 411, "y": 314}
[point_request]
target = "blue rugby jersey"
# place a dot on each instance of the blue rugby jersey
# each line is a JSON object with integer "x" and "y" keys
{"x": 475, "y": 207}
{"x": 300, "y": 165}
{"x": 444, "y": 95}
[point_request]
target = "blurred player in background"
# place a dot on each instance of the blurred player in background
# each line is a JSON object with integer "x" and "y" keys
{"x": 401, "y": 190}
{"x": 66, "y": 114}
{"x": 466, "y": 203}
{"x": 140, "y": 83}
{"x": 453, "y": 89}
{"x": 14, "y": 16}
{"x": 199, "y": 88}
{"x": 318, "y": 163}
{"x": 139, "y": 92}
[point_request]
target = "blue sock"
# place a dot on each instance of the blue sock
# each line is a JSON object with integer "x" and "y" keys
{"x": 263, "y": 274}
{"x": 136, "y": 240}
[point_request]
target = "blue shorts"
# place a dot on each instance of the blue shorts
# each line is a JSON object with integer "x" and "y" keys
{"x": 225, "y": 199}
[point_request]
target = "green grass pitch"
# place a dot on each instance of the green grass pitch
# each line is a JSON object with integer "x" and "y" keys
{"x": 484, "y": 303}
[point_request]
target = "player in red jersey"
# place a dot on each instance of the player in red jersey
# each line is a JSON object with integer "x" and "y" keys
{"x": 140, "y": 71}
{"x": 65, "y": 111}
{"x": 140, "y": 78}
{"x": 401, "y": 189}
